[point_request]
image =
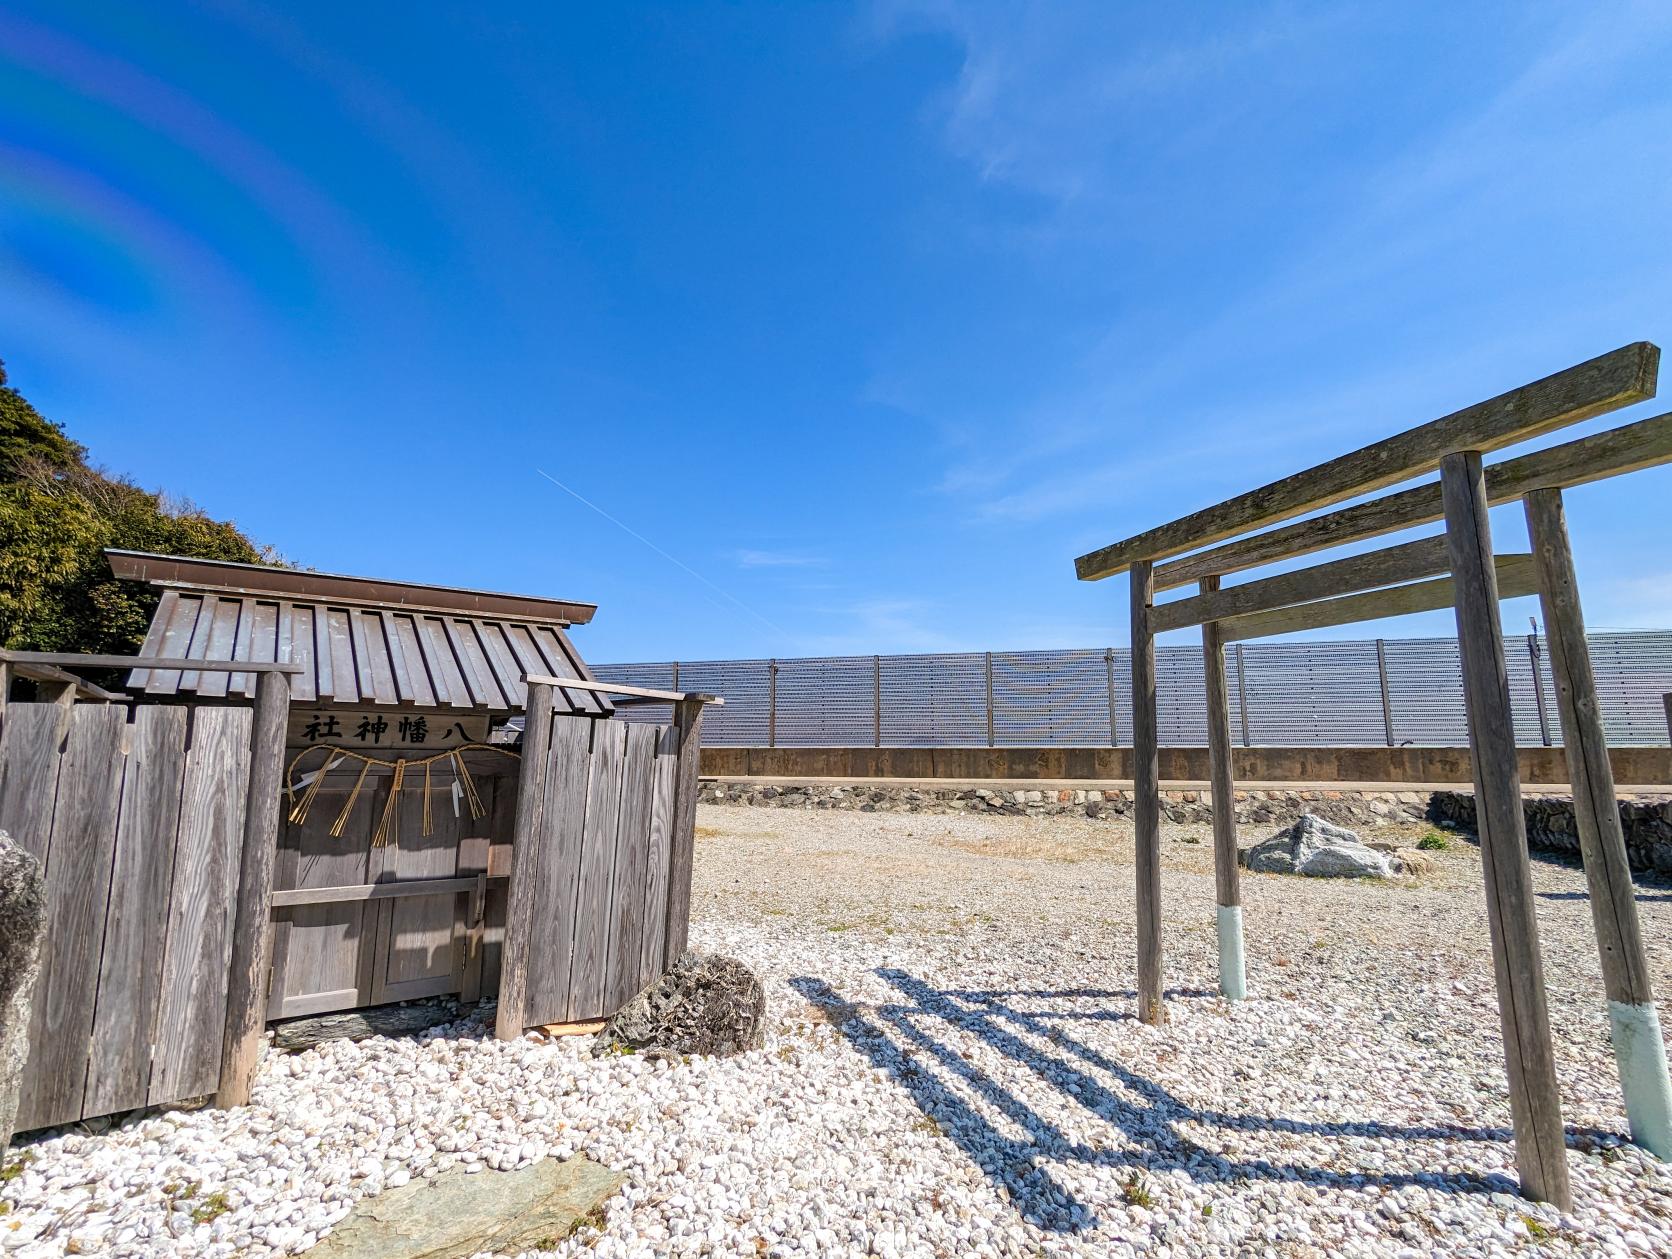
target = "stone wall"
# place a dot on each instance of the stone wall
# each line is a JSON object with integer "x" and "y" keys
{"x": 1550, "y": 825}
{"x": 1278, "y": 806}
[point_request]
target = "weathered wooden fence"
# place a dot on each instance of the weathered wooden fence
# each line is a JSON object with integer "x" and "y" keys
{"x": 137, "y": 819}
{"x": 158, "y": 829}
{"x": 601, "y": 862}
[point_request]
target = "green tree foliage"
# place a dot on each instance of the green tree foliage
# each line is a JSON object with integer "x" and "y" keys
{"x": 57, "y": 514}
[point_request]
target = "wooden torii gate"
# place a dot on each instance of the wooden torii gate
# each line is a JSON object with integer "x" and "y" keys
{"x": 1455, "y": 568}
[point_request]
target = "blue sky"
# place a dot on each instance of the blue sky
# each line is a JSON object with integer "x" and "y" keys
{"x": 858, "y": 322}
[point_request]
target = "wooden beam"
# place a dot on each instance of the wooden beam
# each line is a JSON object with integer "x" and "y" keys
{"x": 52, "y": 673}
{"x": 1374, "y": 569}
{"x": 1534, "y": 1095}
{"x": 1233, "y": 982}
{"x": 1605, "y": 383}
{"x": 252, "y": 933}
{"x": 616, "y": 688}
{"x": 1515, "y": 578}
{"x": 1146, "y": 799}
{"x": 71, "y": 660}
{"x": 510, "y": 1020}
{"x": 61, "y": 693}
{"x": 1638, "y": 1049}
{"x": 1629, "y": 448}
{"x": 391, "y": 890}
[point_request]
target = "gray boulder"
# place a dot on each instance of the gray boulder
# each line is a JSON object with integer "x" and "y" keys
{"x": 22, "y": 923}
{"x": 707, "y": 1004}
{"x": 1313, "y": 847}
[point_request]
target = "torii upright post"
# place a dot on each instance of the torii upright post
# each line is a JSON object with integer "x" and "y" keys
{"x": 1146, "y": 796}
{"x": 1233, "y": 981}
{"x": 1639, "y": 1051}
{"x": 1535, "y": 1101}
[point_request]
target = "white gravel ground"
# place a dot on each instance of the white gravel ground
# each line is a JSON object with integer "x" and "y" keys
{"x": 952, "y": 1069}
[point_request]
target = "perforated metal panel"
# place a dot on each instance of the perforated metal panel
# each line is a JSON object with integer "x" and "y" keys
{"x": 1327, "y": 694}
{"x": 1051, "y": 698}
{"x": 1314, "y": 693}
{"x": 937, "y": 701}
{"x": 1633, "y": 673}
{"x": 827, "y": 701}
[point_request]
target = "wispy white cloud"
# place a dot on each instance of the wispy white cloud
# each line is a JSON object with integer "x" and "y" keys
{"x": 776, "y": 559}
{"x": 887, "y": 625}
{"x": 1274, "y": 367}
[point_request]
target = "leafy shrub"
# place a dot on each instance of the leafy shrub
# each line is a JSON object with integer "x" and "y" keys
{"x": 57, "y": 515}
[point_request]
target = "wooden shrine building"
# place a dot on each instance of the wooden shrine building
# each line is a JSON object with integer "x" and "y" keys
{"x": 310, "y": 798}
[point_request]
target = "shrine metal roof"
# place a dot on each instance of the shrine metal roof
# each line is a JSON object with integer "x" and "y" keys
{"x": 355, "y": 652}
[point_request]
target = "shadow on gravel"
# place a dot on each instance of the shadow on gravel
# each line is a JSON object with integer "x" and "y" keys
{"x": 1640, "y": 897}
{"x": 898, "y": 1041}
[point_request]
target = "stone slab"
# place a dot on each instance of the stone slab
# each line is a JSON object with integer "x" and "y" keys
{"x": 458, "y": 1214}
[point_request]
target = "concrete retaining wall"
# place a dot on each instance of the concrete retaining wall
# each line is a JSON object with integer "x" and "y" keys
{"x": 1638, "y": 766}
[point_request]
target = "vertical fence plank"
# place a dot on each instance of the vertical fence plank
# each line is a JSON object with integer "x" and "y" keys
{"x": 687, "y": 720}
{"x": 562, "y": 837}
{"x": 593, "y": 891}
{"x": 632, "y": 851}
{"x": 252, "y": 923}
{"x": 1535, "y": 1103}
{"x": 192, "y": 1015}
{"x": 77, "y": 887}
{"x": 130, "y": 967}
{"x": 29, "y": 744}
{"x": 664, "y": 774}
{"x": 509, "y": 1020}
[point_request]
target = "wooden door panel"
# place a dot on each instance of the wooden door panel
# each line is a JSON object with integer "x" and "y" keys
{"x": 420, "y": 937}
{"x": 322, "y": 953}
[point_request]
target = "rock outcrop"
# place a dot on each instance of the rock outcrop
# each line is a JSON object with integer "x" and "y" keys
{"x": 707, "y": 1004}
{"x": 22, "y": 923}
{"x": 1315, "y": 848}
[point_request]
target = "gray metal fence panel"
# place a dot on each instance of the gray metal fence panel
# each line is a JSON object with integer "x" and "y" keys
{"x": 826, "y": 701}
{"x": 741, "y": 722}
{"x": 1051, "y": 698}
{"x": 1279, "y": 694}
{"x": 934, "y": 701}
{"x": 1425, "y": 687}
{"x": 1633, "y": 673}
{"x": 1314, "y": 693}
